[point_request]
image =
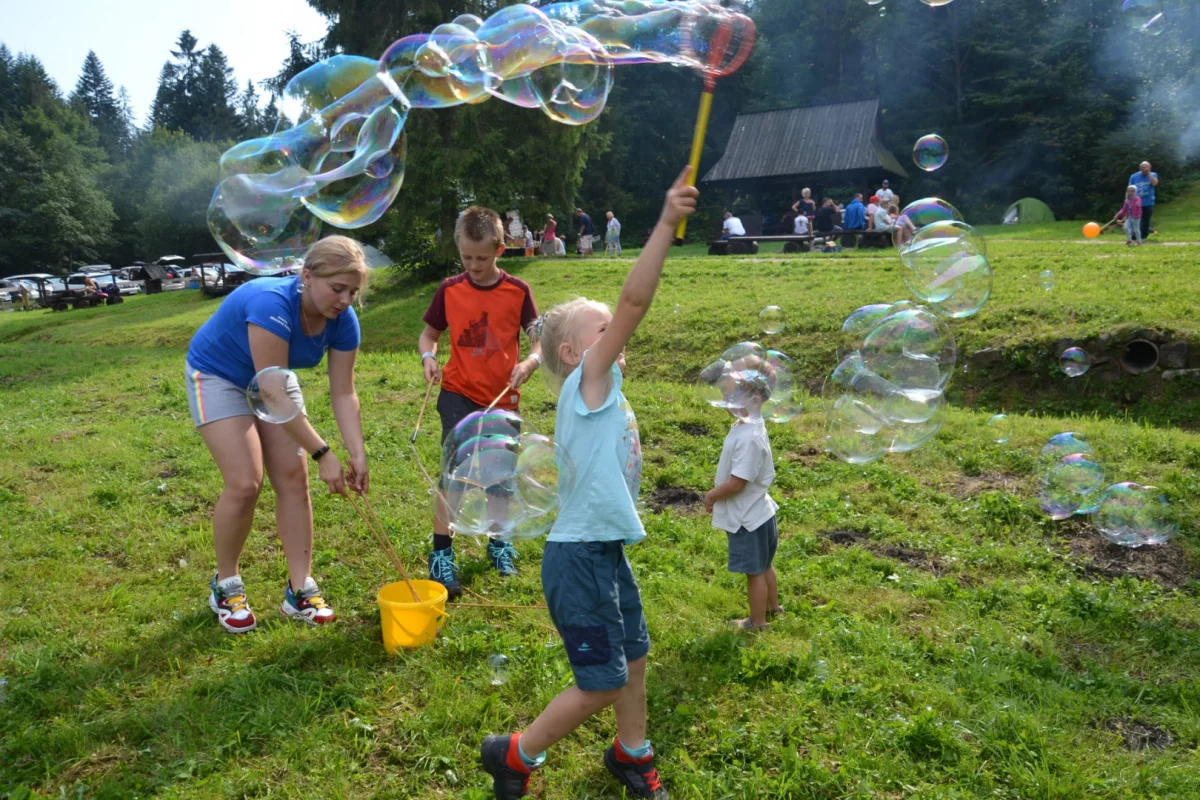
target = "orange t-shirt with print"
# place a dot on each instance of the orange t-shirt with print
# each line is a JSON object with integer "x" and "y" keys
{"x": 485, "y": 324}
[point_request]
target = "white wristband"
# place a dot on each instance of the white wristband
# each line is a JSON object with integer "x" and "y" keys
{"x": 428, "y": 354}
{"x": 537, "y": 358}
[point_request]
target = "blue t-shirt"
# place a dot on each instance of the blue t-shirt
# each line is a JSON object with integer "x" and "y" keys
{"x": 1144, "y": 187}
{"x": 855, "y": 217}
{"x": 222, "y": 345}
{"x": 600, "y": 506}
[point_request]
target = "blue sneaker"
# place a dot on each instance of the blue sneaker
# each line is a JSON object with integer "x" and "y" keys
{"x": 443, "y": 570}
{"x": 502, "y": 555}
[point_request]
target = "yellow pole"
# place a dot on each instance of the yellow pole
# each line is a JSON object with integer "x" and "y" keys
{"x": 697, "y": 145}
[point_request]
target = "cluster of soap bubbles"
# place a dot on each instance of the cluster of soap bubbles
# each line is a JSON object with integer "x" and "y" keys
{"x": 274, "y": 395}
{"x": 338, "y": 154}
{"x": 1144, "y": 16}
{"x": 753, "y": 383}
{"x": 886, "y": 394}
{"x": 1074, "y": 362}
{"x": 499, "y": 479}
{"x": 1074, "y": 483}
{"x": 930, "y": 152}
{"x": 945, "y": 259}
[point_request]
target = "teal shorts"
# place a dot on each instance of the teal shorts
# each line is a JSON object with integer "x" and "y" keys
{"x": 597, "y": 609}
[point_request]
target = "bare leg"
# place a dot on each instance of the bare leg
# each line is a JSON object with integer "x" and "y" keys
{"x": 287, "y": 468}
{"x": 630, "y": 707}
{"x": 756, "y": 588}
{"x": 564, "y": 714}
{"x": 236, "y": 448}
{"x": 772, "y": 590}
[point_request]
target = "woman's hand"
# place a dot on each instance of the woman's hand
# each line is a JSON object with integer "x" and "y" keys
{"x": 357, "y": 475}
{"x": 330, "y": 470}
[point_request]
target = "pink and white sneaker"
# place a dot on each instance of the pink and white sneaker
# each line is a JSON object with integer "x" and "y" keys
{"x": 227, "y": 599}
{"x": 307, "y": 605}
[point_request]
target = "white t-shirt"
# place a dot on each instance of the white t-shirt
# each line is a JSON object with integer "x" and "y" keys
{"x": 733, "y": 226}
{"x": 614, "y": 226}
{"x": 881, "y": 219}
{"x": 800, "y": 226}
{"x": 529, "y": 238}
{"x": 885, "y": 197}
{"x": 746, "y": 455}
{"x": 560, "y": 249}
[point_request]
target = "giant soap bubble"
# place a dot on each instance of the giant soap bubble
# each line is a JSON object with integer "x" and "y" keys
{"x": 338, "y": 155}
{"x": 752, "y": 382}
{"x": 499, "y": 480}
{"x": 1133, "y": 515}
{"x": 946, "y": 265}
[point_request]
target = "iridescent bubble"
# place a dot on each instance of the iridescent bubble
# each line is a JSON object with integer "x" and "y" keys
{"x": 1073, "y": 483}
{"x": 786, "y": 401}
{"x": 908, "y": 436}
{"x": 1000, "y": 428}
{"x": 274, "y": 395}
{"x": 1074, "y": 362}
{"x": 771, "y": 320}
{"x": 936, "y": 3}
{"x": 498, "y": 669}
{"x": 874, "y": 2}
{"x": 930, "y": 151}
{"x": 1144, "y": 16}
{"x": 845, "y": 440}
{"x": 912, "y": 348}
{"x": 918, "y": 214}
{"x": 1133, "y": 515}
{"x": 1047, "y": 279}
{"x": 499, "y": 480}
{"x": 856, "y": 327}
{"x": 945, "y": 265}
{"x": 752, "y": 383}
{"x": 1066, "y": 444}
{"x": 338, "y": 153}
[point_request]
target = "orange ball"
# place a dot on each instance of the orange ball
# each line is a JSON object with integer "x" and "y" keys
{"x": 1091, "y": 230}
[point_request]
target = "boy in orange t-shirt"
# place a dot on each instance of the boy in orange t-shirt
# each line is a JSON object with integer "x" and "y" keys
{"x": 485, "y": 309}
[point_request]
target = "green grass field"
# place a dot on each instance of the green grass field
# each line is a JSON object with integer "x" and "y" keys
{"x": 942, "y": 638}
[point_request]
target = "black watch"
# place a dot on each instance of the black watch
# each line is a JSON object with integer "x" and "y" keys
{"x": 321, "y": 452}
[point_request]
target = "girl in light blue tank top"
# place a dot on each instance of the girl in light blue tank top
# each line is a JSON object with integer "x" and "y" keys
{"x": 586, "y": 578}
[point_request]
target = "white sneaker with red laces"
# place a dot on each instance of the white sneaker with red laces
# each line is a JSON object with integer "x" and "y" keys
{"x": 307, "y": 605}
{"x": 227, "y": 599}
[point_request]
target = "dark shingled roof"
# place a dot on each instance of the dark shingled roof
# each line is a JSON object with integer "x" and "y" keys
{"x": 805, "y": 141}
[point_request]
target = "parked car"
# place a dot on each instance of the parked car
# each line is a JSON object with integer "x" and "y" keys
{"x": 10, "y": 291}
{"x": 139, "y": 276}
{"x": 32, "y": 280}
{"x": 103, "y": 280}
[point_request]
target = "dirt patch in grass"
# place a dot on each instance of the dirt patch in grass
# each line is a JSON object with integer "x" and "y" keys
{"x": 693, "y": 429}
{"x": 912, "y": 556}
{"x": 805, "y": 455}
{"x": 549, "y": 408}
{"x": 676, "y": 497}
{"x": 1165, "y": 564}
{"x": 963, "y": 486}
{"x": 1137, "y": 735}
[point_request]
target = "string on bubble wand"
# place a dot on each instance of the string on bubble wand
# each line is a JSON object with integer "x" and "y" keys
{"x": 725, "y": 56}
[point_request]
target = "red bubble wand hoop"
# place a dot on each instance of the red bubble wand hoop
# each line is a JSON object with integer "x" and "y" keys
{"x": 728, "y": 48}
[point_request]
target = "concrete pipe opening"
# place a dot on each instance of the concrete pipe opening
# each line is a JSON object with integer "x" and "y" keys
{"x": 1139, "y": 356}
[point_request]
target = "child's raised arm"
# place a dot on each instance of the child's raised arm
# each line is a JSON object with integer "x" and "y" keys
{"x": 640, "y": 285}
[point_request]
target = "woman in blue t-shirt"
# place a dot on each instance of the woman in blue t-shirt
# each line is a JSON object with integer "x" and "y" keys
{"x": 276, "y": 322}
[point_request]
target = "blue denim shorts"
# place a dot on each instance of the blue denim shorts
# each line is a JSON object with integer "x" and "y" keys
{"x": 752, "y": 552}
{"x": 596, "y": 607}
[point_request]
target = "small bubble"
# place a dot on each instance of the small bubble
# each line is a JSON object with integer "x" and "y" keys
{"x": 498, "y": 666}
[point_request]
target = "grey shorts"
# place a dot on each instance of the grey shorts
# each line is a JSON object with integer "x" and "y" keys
{"x": 752, "y": 552}
{"x": 211, "y": 398}
{"x": 596, "y": 607}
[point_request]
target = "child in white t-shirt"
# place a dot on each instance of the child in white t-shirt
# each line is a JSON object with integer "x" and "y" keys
{"x": 741, "y": 506}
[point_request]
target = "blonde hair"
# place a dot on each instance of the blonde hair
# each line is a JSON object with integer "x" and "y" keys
{"x": 336, "y": 255}
{"x": 479, "y": 224}
{"x": 1130, "y": 188}
{"x": 558, "y": 325}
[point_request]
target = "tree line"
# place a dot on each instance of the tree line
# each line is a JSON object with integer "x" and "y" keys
{"x": 1058, "y": 99}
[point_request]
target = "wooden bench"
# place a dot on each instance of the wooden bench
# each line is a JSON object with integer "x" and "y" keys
{"x": 796, "y": 243}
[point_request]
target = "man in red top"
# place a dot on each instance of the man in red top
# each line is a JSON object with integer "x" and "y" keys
{"x": 484, "y": 309}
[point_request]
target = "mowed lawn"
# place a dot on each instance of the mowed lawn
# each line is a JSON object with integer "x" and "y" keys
{"x": 942, "y": 639}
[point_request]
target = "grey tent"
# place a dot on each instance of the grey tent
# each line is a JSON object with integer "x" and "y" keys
{"x": 1027, "y": 211}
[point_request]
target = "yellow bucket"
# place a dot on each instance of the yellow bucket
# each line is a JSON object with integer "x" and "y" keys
{"x": 407, "y": 623}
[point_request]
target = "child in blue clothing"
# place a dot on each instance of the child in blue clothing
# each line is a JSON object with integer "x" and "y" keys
{"x": 586, "y": 578}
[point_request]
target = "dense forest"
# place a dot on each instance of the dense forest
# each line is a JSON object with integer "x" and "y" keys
{"x": 1059, "y": 99}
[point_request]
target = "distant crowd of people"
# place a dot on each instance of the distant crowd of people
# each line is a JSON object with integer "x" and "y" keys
{"x": 548, "y": 242}
{"x": 880, "y": 212}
